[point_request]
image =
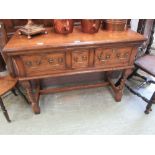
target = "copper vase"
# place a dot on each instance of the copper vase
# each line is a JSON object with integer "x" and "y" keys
{"x": 114, "y": 24}
{"x": 63, "y": 26}
{"x": 90, "y": 25}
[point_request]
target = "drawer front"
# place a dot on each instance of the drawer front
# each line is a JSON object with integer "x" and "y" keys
{"x": 112, "y": 56}
{"x": 43, "y": 63}
{"x": 80, "y": 58}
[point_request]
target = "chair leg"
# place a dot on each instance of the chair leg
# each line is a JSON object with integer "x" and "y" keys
{"x": 14, "y": 92}
{"x": 133, "y": 73}
{"x": 4, "y": 110}
{"x": 149, "y": 105}
{"x": 21, "y": 93}
{"x": 129, "y": 77}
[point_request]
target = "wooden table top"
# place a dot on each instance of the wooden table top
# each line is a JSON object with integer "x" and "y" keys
{"x": 77, "y": 38}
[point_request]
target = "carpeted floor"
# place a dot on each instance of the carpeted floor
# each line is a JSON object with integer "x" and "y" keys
{"x": 87, "y": 111}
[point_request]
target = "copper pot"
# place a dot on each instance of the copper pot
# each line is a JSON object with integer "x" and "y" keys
{"x": 63, "y": 26}
{"x": 114, "y": 24}
{"x": 90, "y": 25}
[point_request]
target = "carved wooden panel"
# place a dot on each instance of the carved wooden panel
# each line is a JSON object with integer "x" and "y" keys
{"x": 42, "y": 63}
{"x": 80, "y": 58}
{"x": 112, "y": 56}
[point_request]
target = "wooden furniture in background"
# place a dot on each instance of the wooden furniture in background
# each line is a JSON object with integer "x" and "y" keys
{"x": 3, "y": 40}
{"x": 146, "y": 28}
{"x": 7, "y": 83}
{"x": 56, "y": 55}
{"x": 146, "y": 61}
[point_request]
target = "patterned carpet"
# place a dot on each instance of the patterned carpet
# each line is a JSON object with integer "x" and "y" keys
{"x": 87, "y": 111}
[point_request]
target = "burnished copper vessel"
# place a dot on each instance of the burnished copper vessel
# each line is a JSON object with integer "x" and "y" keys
{"x": 63, "y": 26}
{"x": 114, "y": 24}
{"x": 90, "y": 25}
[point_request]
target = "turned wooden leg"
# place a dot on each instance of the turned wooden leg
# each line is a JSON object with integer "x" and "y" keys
{"x": 149, "y": 105}
{"x": 31, "y": 96}
{"x": 22, "y": 94}
{"x": 4, "y": 110}
{"x": 119, "y": 86}
{"x": 133, "y": 73}
{"x": 118, "y": 95}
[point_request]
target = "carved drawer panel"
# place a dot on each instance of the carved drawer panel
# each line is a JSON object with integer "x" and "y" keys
{"x": 43, "y": 62}
{"x": 112, "y": 56}
{"x": 80, "y": 58}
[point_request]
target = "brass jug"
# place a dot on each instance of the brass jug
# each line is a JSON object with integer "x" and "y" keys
{"x": 114, "y": 24}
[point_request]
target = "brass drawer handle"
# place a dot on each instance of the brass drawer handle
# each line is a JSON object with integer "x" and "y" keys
{"x": 60, "y": 60}
{"x": 28, "y": 63}
{"x": 107, "y": 57}
{"x": 38, "y": 62}
{"x": 99, "y": 57}
{"x": 51, "y": 60}
{"x": 103, "y": 61}
{"x": 84, "y": 58}
{"x": 125, "y": 56}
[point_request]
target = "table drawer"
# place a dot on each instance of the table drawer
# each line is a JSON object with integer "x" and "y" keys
{"x": 43, "y": 63}
{"x": 112, "y": 56}
{"x": 80, "y": 58}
